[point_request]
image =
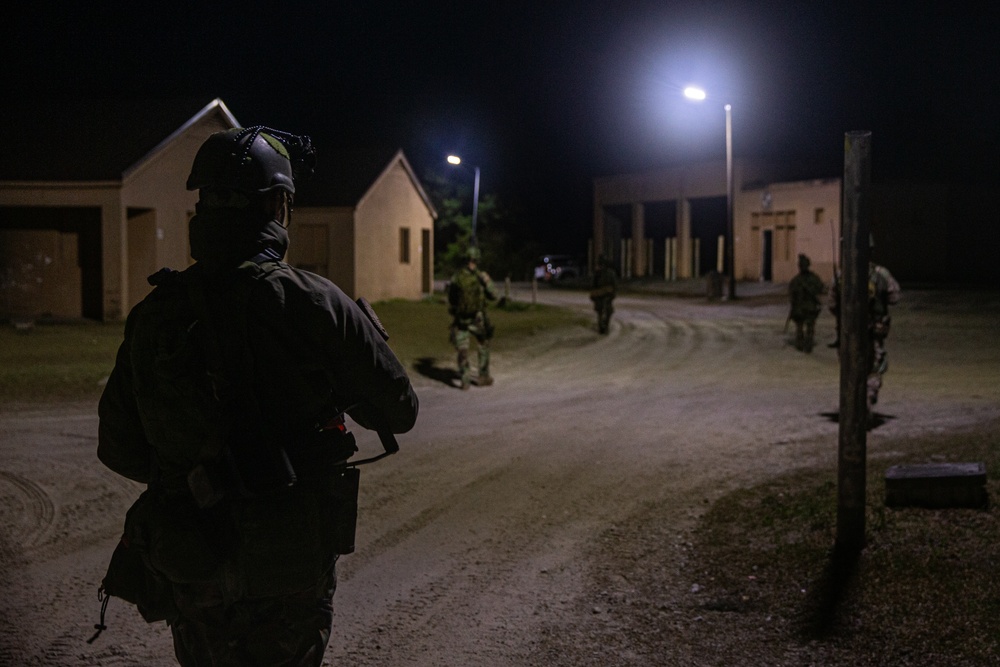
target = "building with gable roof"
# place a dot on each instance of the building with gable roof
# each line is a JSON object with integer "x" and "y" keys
{"x": 367, "y": 224}
{"x": 93, "y": 201}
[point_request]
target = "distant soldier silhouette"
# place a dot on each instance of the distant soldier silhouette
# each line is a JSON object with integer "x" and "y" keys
{"x": 468, "y": 293}
{"x": 804, "y": 293}
{"x": 603, "y": 293}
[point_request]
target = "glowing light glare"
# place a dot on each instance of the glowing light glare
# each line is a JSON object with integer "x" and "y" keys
{"x": 693, "y": 93}
{"x": 454, "y": 159}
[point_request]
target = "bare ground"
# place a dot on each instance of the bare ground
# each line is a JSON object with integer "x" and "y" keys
{"x": 502, "y": 532}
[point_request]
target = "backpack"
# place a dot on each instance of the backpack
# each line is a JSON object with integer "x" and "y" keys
{"x": 466, "y": 295}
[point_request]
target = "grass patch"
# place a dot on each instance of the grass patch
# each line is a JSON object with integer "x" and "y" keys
{"x": 923, "y": 592}
{"x": 57, "y": 362}
{"x": 60, "y": 362}
{"x": 419, "y": 329}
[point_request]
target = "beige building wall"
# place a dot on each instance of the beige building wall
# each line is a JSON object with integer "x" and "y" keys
{"x": 321, "y": 240}
{"x": 380, "y": 249}
{"x": 143, "y": 219}
{"x": 770, "y": 220}
{"x": 159, "y": 206}
{"x": 800, "y": 217}
{"x": 34, "y": 262}
{"x": 678, "y": 184}
{"x": 105, "y": 199}
{"x": 389, "y": 223}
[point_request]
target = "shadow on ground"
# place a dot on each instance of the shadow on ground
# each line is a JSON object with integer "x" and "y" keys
{"x": 427, "y": 366}
{"x": 826, "y": 604}
{"x": 878, "y": 418}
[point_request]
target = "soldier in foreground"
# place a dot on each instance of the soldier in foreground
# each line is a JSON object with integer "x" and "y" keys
{"x": 603, "y": 293}
{"x": 226, "y": 400}
{"x": 804, "y": 291}
{"x": 469, "y": 291}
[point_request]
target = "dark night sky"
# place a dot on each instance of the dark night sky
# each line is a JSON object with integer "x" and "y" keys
{"x": 544, "y": 96}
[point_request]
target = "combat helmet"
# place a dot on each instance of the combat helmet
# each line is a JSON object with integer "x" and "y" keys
{"x": 252, "y": 160}
{"x": 473, "y": 254}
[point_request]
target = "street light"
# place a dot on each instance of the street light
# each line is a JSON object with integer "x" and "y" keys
{"x": 698, "y": 95}
{"x": 455, "y": 160}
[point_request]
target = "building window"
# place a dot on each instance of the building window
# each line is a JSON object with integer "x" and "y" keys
{"x": 404, "y": 245}
{"x": 818, "y": 216}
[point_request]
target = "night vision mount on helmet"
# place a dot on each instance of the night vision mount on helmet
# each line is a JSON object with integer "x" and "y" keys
{"x": 252, "y": 160}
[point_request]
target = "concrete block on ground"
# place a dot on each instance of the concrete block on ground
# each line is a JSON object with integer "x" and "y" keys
{"x": 936, "y": 485}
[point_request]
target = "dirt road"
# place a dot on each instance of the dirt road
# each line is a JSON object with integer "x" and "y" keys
{"x": 474, "y": 542}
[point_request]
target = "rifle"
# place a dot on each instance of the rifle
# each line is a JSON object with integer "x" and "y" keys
{"x": 836, "y": 283}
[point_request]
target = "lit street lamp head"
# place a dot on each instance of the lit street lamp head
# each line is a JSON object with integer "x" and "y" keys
{"x": 694, "y": 93}
{"x": 699, "y": 95}
{"x": 455, "y": 160}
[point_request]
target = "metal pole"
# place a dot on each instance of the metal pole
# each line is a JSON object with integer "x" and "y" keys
{"x": 854, "y": 343}
{"x": 730, "y": 251}
{"x": 475, "y": 207}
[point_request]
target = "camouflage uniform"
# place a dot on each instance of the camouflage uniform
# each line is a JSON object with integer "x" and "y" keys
{"x": 603, "y": 293}
{"x": 235, "y": 366}
{"x": 468, "y": 293}
{"x": 804, "y": 291}
{"x": 883, "y": 291}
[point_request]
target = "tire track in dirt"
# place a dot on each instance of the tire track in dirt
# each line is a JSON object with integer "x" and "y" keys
{"x": 27, "y": 510}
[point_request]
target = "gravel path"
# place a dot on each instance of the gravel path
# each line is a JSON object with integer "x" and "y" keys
{"x": 477, "y": 543}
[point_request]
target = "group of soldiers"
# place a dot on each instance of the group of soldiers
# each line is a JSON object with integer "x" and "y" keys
{"x": 471, "y": 288}
{"x": 805, "y": 292}
{"x": 228, "y": 401}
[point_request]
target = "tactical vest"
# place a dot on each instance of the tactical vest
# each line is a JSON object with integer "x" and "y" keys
{"x": 231, "y": 510}
{"x": 467, "y": 295}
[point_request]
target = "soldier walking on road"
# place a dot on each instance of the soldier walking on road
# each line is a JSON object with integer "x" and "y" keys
{"x": 883, "y": 291}
{"x": 603, "y": 293}
{"x": 468, "y": 293}
{"x": 804, "y": 292}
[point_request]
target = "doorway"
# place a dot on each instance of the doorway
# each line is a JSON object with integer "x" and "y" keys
{"x": 426, "y": 272}
{"x": 767, "y": 255}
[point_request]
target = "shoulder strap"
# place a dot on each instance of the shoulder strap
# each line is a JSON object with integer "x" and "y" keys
{"x": 213, "y": 353}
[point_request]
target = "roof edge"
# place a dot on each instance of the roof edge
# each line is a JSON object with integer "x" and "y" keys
{"x": 401, "y": 157}
{"x": 52, "y": 185}
{"x": 216, "y": 104}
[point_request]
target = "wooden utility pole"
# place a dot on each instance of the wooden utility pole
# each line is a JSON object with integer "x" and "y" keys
{"x": 854, "y": 342}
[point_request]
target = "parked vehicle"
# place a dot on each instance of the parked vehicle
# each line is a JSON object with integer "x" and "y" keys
{"x": 553, "y": 268}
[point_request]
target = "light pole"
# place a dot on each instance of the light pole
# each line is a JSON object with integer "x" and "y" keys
{"x": 455, "y": 160}
{"x": 698, "y": 95}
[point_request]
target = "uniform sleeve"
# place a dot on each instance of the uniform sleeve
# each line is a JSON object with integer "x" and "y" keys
{"x": 360, "y": 365}
{"x": 893, "y": 291}
{"x": 488, "y": 287}
{"x": 122, "y": 444}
